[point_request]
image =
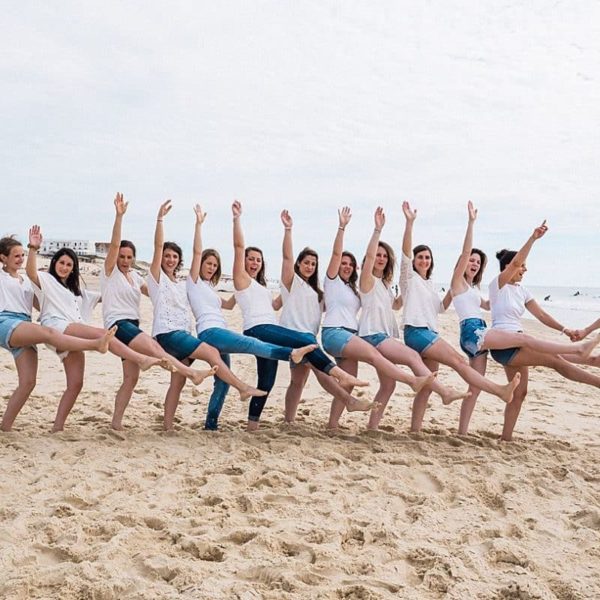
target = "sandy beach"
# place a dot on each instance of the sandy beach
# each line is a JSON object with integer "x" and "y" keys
{"x": 294, "y": 511}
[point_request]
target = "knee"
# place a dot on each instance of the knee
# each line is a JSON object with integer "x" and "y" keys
{"x": 27, "y": 384}
{"x": 75, "y": 385}
{"x": 129, "y": 382}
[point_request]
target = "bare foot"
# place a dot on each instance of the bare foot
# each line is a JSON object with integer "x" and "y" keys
{"x": 148, "y": 362}
{"x": 299, "y": 353}
{"x": 57, "y": 429}
{"x": 117, "y": 426}
{"x": 360, "y": 405}
{"x": 423, "y": 381}
{"x": 247, "y": 392}
{"x": 199, "y": 375}
{"x": 105, "y": 340}
{"x": 587, "y": 347}
{"x": 168, "y": 364}
{"x": 350, "y": 381}
{"x": 450, "y": 395}
{"x": 252, "y": 426}
{"x": 507, "y": 391}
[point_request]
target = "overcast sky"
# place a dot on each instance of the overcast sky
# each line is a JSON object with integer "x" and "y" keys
{"x": 308, "y": 106}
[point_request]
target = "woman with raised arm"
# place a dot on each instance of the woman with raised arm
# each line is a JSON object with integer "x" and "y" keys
{"x": 211, "y": 327}
{"x": 421, "y": 307}
{"x": 508, "y": 301}
{"x": 475, "y": 338}
{"x": 19, "y": 335}
{"x": 171, "y": 325}
{"x": 340, "y": 325}
{"x": 122, "y": 289}
{"x": 64, "y": 306}
{"x": 377, "y": 324}
{"x": 256, "y": 304}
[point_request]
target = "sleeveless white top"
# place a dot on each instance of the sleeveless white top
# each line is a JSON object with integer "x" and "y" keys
{"x": 256, "y": 304}
{"x": 508, "y": 305}
{"x": 171, "y": 309}
{"x": 468, "y": 304}
{"x": 120, "y": 299}
{"x": 377, "y": 315}
{"x": 206, "y": 304}
{"x": 301, "y": 310}
{"x": 421, "y": 302}
{"x": 341, "y": 304}
{"x": 16, "y": 293}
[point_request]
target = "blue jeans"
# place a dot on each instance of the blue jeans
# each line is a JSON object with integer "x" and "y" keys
{"x": 267, "y": 369}
{"x": 217, "y": 398}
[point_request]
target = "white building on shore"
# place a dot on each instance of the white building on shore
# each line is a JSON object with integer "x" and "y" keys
{"x": 83, "y": 248}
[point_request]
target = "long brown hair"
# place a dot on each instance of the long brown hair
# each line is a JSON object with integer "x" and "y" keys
{"x": 207, "y": 254}
{"x": 388, "y": 271}
{"x": 260, "y": 276}
{"x": 313, "y": 280}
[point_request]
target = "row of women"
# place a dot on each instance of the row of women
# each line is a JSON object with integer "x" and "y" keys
{"x": 359, "y": 324}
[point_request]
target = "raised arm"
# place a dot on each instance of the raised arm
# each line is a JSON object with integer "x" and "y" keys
{"x": 410, "y": 215}
{"x": 35, "y": 243}
{"x": 547, "y": 319}
{"x": 197, "y": 251}
{"x": 287, "y": 263}
{"x": 344, "y": 216}
{"x": 159, "y": 240}
{"x": 115, "y": 238}
{"x": 521, "y": 256}
{"x": 458, "y": 284}
{"x": 241, "y": 279}
{"x": 366, "y": 281}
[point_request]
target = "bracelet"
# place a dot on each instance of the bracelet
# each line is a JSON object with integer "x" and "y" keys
{"x": 159, "y": 220}
{"x": 342, "y": 228}
{"x": 287, "y": 228}
{"x": 377, "y": 230}
{"x": 32, "y": 247}
{"x": 563, "y": 329}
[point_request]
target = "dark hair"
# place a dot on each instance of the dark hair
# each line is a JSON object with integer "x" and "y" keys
{"x": 73, "y": 280}
{"x": 422, "y": 248}
{"x": 351, "y": 283}
{"x": 128, "y": 244}
{"x": 505, "y": 257}
{"x": 388, "y": 271}
{"x": 313, "y": 280}
{"x": 483, "y": 259}
{"x": 260, "y": 276}
{"x": 207, "y": 254}
{"x": 176, "y": 248}
{"x": 7, "y": 243}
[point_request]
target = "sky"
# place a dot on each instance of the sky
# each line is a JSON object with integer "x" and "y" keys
{"x": 308, "y": 106}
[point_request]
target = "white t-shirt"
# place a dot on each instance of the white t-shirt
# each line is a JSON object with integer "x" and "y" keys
{"x": 377, "y": 315}
{"x": 206, "y": 304}
{"x": 421, "y": 302}
{"x": 341, "y": 304}
{"x": 16, "y": 293}
{"x": 120, "y": 299}
{"x": 508, "y": 305}
{"x": 256, "y": 304}
{"x": 468, "y": 304}
{"x": 59, "y": 306}
{"x": 169, "y": 300}
{"x": 301, "y": 310}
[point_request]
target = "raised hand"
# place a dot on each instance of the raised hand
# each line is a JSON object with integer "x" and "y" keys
{"x": 35, "y": 236}
{"x": 236, "y": 209}
{"x": 472, "y": 212}
{"x": 379, "y": 218}
{"x": 164, "y": 209}
{"x": 409, "y": 213}
{"x": 120, "y": 205}
{"x": 200, "y": 216}
{"x": 286, "y": 219}
{"x": 540, "y": 231}
{"x": 344, "y": 216}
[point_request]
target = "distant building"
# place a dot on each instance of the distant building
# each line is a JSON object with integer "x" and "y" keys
{"x": 83, "y": 248}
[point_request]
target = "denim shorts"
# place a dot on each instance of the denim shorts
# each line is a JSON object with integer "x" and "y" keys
{"x": 505, "y": 355}
{"x": 375, "y": 338}
{"x": 472, "y": 332}
{"x": 9, "y": 321}
{"x": 127, "y": 330}
{"x": 335, "y": 339}
{"x": 180, "y": 344}
{"x": 420, "y": 338}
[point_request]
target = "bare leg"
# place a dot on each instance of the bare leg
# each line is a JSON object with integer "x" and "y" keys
{"x": 387, "y": 385}
{"x": 27, "y": 364}
{"x": 131, "y": 373}
{"x": 442, "y": 352}
{"x": 345, "y": 379}
{"x": 331, "y": 385}
{"x": 172, "y": 399}
{"x": 74, "y": 366}
{"x": 479, "y": 363}
{"x": 512, "y": 410}
{"x": 422, "y": 400}
{"x": 591, "y": 361}
{"x": 293, "y": 395}
{"x": 337, "y": 405}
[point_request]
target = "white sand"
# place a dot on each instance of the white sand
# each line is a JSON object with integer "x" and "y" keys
{"x": 291, "y": 511}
